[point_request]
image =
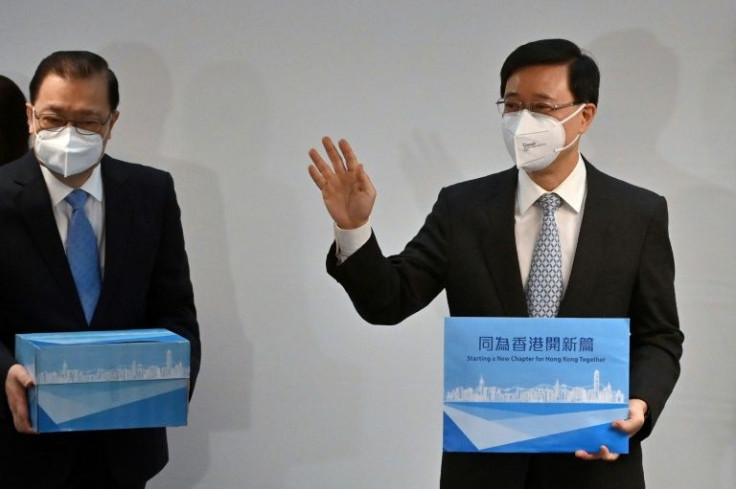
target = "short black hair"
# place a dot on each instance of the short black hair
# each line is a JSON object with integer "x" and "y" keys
{"x": 76, "y": 65}
{"x": 13, "y": 121}
{"x": 583, "y": 74}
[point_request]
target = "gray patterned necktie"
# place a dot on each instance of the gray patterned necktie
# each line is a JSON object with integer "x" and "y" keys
{"x": 544, "y": 286}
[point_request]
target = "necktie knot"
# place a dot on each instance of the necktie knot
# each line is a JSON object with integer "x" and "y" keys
{"x": 549, "y": 202}
{"x": 76, "y": 199}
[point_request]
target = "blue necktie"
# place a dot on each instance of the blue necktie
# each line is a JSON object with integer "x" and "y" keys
{"x": 544, "y": 286}
{"x": 82, "y": 253}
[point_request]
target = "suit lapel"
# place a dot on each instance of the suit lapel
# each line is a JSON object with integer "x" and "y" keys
{"x": 34, "y": 205}
{"x": 118, "y": 218}
{"x": 591, "y": 243}
{"x": 499, "y": 242}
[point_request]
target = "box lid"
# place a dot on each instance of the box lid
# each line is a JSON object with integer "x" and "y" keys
{"x": 103, "y": 356}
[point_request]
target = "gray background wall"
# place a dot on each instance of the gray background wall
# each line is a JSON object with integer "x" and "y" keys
{"x": 296, "y": 391}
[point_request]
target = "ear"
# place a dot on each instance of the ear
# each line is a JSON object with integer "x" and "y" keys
{"x": 588, "y": 113}
{"x": 29, "y": 116}
{"x": 113, "y": 120}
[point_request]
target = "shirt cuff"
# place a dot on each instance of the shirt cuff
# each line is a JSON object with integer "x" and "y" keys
{"x": 348, "y": 241}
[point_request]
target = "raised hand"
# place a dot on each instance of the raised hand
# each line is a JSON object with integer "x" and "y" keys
{"x": 347, "y": 191}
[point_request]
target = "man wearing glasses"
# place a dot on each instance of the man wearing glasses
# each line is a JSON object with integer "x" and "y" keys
{"x": 89, "y": 243}
{"x": 609, "y": 240}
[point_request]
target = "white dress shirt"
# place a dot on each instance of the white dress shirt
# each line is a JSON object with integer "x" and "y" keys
{"x": 528, "y": 222}
{"x": 94, "y": 207}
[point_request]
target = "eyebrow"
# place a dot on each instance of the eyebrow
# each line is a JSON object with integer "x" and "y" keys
{"x": 82, "y": 112}
{"x": 542, "y": 96}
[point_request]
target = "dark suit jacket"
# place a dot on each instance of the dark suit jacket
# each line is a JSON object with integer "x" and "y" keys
{"x": 146, "y": 284}
{"x": 623, "y": 267}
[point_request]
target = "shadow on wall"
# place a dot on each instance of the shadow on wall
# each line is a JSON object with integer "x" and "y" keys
{"x": 260, "y": 405}
{"x": 639, "y": 91}
{"x": 294, "y": 419}
{"x": 218, "y": 404}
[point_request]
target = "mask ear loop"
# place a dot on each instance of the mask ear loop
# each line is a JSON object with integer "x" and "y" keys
{"x": 580, "y": 109}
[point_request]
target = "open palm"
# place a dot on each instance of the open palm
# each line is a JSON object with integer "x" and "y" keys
{"x": 347, "y": 191}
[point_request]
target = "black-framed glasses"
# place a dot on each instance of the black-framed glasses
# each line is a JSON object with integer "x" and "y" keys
{"x": 505, "y": 106}
{"x": 85, "y": 126}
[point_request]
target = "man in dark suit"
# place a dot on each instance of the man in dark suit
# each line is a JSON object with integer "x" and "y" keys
{"x": 140, "y": 270}
{"x": 613, "y": 257}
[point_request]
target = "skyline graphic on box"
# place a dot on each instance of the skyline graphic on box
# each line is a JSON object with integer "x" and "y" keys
{"x": 97, "y": 380}
{"x": 521, "y": 385}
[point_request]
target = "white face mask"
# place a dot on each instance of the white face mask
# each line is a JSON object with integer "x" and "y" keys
{"x": 534, "y": 140}
{"x": 67, "y": 152}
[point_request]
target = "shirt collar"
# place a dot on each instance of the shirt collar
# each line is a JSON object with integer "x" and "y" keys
{"x": 58, "y": 191}
{"x": 571, "y": 190}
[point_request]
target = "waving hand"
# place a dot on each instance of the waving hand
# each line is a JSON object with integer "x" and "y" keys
{"x": 347, "y": 191}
